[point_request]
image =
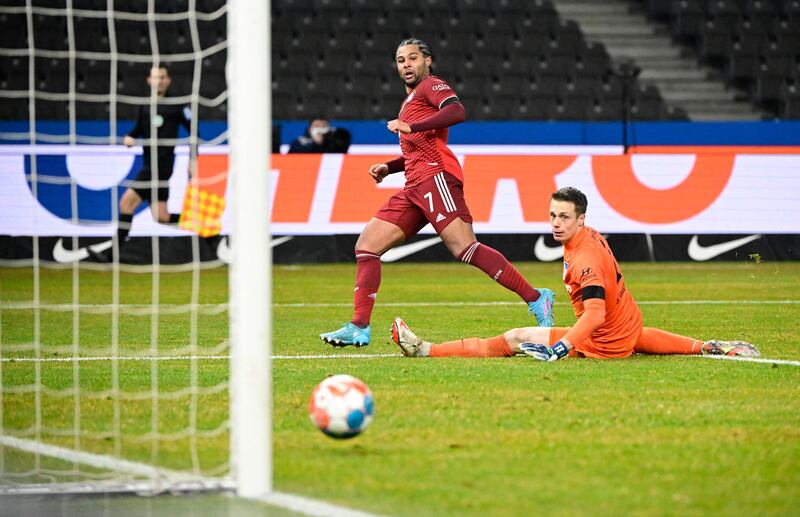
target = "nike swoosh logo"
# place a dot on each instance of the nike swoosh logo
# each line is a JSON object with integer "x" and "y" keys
{"x": 63, "y": 255}
{"x": 224, "y": 252}
{"x": 547, "y": 253}
{"x": 405, "y": 250}
{"x": 701, "y": 253}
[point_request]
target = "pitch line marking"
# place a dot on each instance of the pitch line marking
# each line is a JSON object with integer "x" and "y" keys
{"x": 162, "y": 479}
{"x": 7, "y": 305}
{"x": 313, "y": 356}
{"x": 186, "y": 358}
{"x": 487, "y": 304}
{"x": 751, "y": 359}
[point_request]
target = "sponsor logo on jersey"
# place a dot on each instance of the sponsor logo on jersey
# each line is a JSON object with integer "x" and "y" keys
{"x": 440, "y": 87}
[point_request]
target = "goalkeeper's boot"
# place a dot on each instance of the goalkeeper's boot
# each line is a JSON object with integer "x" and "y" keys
{"x": 542, "y": 308}
{"x": 731, "y": 348}
{"x": 349, "y": 334}
{"x": 409, "y": 343}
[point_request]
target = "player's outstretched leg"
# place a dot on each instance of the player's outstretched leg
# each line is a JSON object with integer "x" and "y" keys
{"x": 349, "y": 334}
{"x": 542, "y": 308}
{"x": 733, "y": 348}
{"x": 409, "y": 343}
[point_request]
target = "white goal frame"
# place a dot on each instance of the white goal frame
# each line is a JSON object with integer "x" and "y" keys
{"x": 249, "y": 132}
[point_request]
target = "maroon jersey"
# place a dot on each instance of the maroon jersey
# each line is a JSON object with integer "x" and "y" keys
{"x": 426, "y": 153}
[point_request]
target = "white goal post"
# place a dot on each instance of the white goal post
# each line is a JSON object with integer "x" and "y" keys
{"x": 249, "y": 131}
{"x": 73, "y": 418}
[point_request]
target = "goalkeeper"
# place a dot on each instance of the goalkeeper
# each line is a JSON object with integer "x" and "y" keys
{"x": 609, "y": 321}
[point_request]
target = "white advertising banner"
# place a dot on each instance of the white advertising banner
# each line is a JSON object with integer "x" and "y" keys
{"x": 655, "y": 190}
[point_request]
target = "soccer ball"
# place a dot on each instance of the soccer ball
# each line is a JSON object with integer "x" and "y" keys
{"x": 341, "y": 406}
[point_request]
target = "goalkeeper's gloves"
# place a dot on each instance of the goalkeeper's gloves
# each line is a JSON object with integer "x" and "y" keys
{"x": 544, "y": 352}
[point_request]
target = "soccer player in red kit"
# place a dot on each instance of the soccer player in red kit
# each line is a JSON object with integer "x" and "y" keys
{"x": 433, "y": 194}
{"x": 609, "y": 321}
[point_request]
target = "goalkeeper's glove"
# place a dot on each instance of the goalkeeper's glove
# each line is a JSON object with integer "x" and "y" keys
{"x": 544, "y": 352}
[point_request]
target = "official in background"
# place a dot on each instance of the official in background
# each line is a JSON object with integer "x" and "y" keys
{"x": 152, "y": 176}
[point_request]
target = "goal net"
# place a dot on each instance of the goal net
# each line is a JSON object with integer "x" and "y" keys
{"x": 139, "y": 363}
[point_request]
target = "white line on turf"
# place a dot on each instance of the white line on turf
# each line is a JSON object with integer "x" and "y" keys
{"x": 186, "y": 358}
{"x": 159, "y": 479}
{"x": 751, "y": 359}
{"x": 309, "y": 356}
{"x": 99, "y": 461}
{"x": 484, "y": 304}
{"x": 146, "y": 309}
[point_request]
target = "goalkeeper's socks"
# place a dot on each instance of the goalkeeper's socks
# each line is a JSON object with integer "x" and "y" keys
{"x": 494, "y": 264}
{"x": 657, "y": 341}
{"x": 473, "y": 347}
{"x": 368, "y": 280}
{"x": 124, "y": 222}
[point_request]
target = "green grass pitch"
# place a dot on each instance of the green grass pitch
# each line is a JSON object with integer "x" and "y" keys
{"x": 640, "y": 436}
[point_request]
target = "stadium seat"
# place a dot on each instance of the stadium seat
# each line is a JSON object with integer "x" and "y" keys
{"x": 15, "y": 31}
{"x": 658, "y": 10}
{"x": 91, "y": 34}
{"x": 13, "y": 73}
{"x": 572, "y": 108}
{"x": 605, "y": 109}
{"x": 92, "y": 76}
{"x": 646, "y": 109}
{"x": 790, "y": 102}
{"x": 51, "y": 110}
{"x": 174, "y": 37}
{"x": 132, "y": 37}
{"x": 687, "y": 19}
{"x": 725, "y": 14}
{"x": 50, "y": 32}
{"x": 52, "y": 75}
{"x": 714, "y": 43}
{"x": 593, "y": 61}
{"x": 760, "y": 13}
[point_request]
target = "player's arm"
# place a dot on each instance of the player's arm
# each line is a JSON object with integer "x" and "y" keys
{"x": 379, "y": 171}
{"x": 593, "y": 316}
{"x": 451, "y": 112}
{"x": 137, "y": 131}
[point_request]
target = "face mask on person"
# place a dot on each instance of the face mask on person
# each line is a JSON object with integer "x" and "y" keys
{"x": 318, "y": 132}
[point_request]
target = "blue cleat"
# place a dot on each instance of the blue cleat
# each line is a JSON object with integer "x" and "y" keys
{"x": 542, "y": 308}
{"x": 349, "y": 334}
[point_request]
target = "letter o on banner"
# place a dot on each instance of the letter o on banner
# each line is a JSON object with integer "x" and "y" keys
{"x": 623, "y": 191}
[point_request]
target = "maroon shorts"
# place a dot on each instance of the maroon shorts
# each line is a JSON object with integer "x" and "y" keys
{"x": 438, "y": 201}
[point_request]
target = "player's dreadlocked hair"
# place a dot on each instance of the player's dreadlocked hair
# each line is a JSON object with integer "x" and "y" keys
{"x": 423, "y": 47}
{"x": 572, "y": 195}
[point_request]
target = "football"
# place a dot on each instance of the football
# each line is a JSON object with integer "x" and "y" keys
{"x": 341, "y": 406}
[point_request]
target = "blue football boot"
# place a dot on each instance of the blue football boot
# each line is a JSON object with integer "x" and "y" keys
{"x": 542, "y": 308}
{"x": 349, "y": 334}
